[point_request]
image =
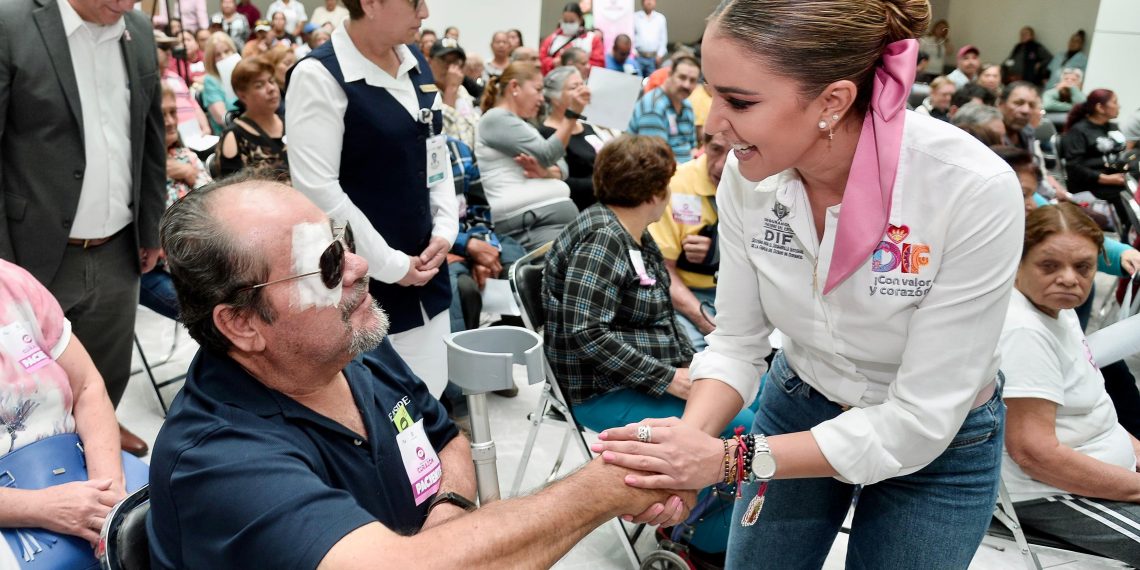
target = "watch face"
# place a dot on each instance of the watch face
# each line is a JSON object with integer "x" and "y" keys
{"x": 764, "y": 466}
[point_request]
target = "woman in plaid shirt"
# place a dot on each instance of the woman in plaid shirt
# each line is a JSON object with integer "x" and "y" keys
{"x": 612, "y": 336}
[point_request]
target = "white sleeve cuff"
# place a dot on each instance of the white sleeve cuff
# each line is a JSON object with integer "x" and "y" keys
{"x": 64, "y": 340}
{"x": 394, "y": 270}
{"x": 853, "y": 449}
{"x": 741, "y": 376}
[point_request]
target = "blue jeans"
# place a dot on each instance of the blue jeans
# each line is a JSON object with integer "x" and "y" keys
{"x": 933, "y": 518}
{"x": 156, "y": 292}
{"x": 625, "y": 406}
{"x": 646, "y": 65}
{"x": 695, "y": 335}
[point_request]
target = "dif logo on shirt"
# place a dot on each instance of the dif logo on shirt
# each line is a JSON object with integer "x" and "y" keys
{"x": 893, "y": 254}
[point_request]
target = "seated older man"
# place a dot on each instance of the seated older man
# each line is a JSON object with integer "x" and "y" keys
{"x": 286, "y": 450}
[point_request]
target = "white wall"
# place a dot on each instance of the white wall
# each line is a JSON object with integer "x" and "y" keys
{"x": 993, "y": 25}
{"x": 478, "y": 20}
{"x": 1112, "y": 61}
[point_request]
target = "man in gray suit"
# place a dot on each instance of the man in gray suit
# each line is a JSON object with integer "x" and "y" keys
{"x": 82, "y": 165}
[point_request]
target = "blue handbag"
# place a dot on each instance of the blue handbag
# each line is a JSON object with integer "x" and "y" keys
{"x": 53, "y": 461}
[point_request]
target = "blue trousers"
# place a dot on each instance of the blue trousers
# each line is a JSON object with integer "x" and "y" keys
{"x": 156, "y": 292}
{"x": 646, "y": 65}
{"x": 625, "y": 406}
{"x": 933, "y": 518}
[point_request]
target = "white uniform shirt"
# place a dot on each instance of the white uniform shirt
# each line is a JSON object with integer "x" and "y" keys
{"x": 1050, "y": 359}
{"x": 910, "y": 339}
{"x": 105, "y": 101}
{"x": 650, "y": 33}
{"x": 316, "y": 106}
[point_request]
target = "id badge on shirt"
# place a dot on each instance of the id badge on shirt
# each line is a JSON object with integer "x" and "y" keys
{"x": 420, "y": 461}
{"x": 686, "y": 209}
{"x": 672, "y": 124}
{"x": 18, "y": 343}
{"x": 438, "y": 160}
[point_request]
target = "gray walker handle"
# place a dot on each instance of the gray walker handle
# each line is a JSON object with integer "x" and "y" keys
{"x": 481, "y": 361}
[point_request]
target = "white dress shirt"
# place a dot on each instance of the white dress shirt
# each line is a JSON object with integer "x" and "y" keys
{"x": 650, "y": 33}
{"x": 909, "y": 341}
{"x": 105, "y": 99}
{"x": 294, "y": 12}
{"x": 315, "y": 123}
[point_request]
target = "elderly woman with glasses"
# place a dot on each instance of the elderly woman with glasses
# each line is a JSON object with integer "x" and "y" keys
{"x": 372, "y": 114}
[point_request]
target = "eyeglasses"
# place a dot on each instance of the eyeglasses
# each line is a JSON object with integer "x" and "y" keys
{"x": 331, "y": 264}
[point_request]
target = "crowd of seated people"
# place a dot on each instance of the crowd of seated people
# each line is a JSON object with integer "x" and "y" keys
{"x": 629, "y": 288}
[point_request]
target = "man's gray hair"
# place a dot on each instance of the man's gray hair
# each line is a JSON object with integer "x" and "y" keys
{"x": 208, "y": 267}
{"x": 975, "y": 113}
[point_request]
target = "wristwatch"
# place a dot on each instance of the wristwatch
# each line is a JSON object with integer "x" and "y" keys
{"x": 763, "y": 463}
{"x": 453, "y": 498}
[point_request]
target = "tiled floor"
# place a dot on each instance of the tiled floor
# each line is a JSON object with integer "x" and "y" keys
{"x": 140, "y": 411}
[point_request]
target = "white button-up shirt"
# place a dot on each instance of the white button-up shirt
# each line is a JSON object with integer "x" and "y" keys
{"x": 315, "y": 124}
{"x": 650, "y": 33}
{"x": 105, "y": 103}
{"x": 910, "y": 339}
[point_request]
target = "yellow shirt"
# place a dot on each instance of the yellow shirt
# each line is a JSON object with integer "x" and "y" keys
{"x": 702, "y": 102}
{"x": 691, "y": 207}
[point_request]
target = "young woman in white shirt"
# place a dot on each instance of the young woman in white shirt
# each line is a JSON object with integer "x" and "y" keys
{"x": 1070, "y": 466}
{"x": 883, "y": 245}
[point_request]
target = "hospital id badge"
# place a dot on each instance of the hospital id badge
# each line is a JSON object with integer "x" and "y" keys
{"x": 21, "y": 345}
{"x": 438, "y": 160}
{"x": 420, "y": 461}
{"x": 673, "y": 130}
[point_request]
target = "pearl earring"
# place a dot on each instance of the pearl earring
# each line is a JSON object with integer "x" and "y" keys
{"x": 835, "y": 118}
{"x": 822, "y": 124}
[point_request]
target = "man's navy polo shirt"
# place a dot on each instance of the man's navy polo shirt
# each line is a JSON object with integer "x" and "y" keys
{"x": 243, "y": 476}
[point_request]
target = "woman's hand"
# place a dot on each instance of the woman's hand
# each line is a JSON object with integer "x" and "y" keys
{"x": 683, "y": 457}
{"x": 185, "y": 172}
{"x": 77, "y": 509}
{"x": 1111, "y": 179}
{"x": 673, "y": 511}
{"x": 577, "y": 99}
{"x": 531, "y": 167}
{"x": 1130, "y": 261}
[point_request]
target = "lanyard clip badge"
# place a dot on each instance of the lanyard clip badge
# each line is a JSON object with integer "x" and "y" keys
{"x": 426, "y": 118}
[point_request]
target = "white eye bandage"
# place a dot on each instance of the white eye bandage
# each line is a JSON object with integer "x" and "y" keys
{"x": 309, "y": 242}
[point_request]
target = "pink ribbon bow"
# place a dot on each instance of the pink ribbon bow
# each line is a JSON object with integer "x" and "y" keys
{"x": 866, "y": 208}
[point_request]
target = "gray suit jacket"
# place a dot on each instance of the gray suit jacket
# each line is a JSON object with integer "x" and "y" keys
{"x": 42, "y": 158}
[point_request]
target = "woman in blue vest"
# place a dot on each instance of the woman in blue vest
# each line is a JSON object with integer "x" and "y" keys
{"x": 365, "y": 123}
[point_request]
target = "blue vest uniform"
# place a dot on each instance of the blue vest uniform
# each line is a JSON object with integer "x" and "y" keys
{"x": 383, "y": 169}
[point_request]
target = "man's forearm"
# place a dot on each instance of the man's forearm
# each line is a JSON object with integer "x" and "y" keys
{"x": 536, "y": 531}
{"x": 684, "y": 300}
{"x": 526, "y": 532}
{"x": 458, "y": 477}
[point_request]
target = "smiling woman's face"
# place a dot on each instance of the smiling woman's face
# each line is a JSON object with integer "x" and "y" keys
{"x": 761, "y": 113}
{"x": 1057, "y": 274}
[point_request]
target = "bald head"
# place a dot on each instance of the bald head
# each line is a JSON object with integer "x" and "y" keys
{"x": 216, "y": 241}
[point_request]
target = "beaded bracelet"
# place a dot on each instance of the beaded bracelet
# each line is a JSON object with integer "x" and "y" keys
{"x": 729, "y": 473}
{"x": 750, "y": 455}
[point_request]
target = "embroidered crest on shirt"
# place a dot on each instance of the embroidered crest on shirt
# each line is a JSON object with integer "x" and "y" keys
{"x": 907, "y": 258}
{"x": 777, "y": 237}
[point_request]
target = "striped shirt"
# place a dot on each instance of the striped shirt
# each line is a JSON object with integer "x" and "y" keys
{"x": 606, "y": 327}
{"x": 656, "y": 116}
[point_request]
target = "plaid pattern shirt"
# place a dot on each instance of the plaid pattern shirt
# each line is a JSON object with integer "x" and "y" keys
{"x": 604, "y": 329}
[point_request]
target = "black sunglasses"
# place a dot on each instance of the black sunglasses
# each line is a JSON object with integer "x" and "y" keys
{"x": 331, "y": 264}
